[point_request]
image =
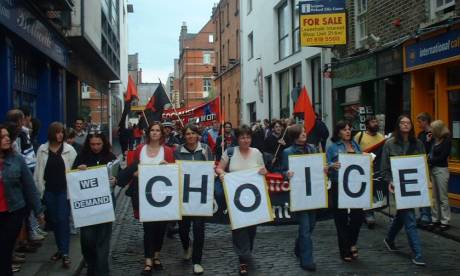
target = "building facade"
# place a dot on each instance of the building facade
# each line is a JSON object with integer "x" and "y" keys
{"x": 133, "y": 68}
{"x": 271, "y": 72}
{"x": 196, "y": 62}
{"x": 401, "y": 57}
{"x": 227, "y": 71}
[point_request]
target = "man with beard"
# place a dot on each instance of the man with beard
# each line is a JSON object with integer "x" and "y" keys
{"x": 367, "y": 140}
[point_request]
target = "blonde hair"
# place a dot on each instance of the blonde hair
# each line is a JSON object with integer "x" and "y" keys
{"x": 439, "y": 129}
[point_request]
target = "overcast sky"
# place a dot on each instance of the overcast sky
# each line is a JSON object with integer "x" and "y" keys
{"x": 153, "y": 32}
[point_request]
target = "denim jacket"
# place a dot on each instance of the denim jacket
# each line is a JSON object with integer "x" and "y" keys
{"x": 292, "y": 150}
{"x": 20, "y": 189}
{"x": 332, "y": 156}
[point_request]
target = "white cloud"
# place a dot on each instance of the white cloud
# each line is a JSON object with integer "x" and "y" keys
{"x": 152, "y": 75}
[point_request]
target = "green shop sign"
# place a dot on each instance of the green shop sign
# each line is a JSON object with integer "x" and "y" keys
{"x": 354, "y": 72}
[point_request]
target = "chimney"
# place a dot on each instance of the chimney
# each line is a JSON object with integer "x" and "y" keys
{"x": 183, "y": 29}
{"x": 214, "y": 8}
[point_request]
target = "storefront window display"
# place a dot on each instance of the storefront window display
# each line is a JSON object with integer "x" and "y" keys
{"x": 454, "y": 123}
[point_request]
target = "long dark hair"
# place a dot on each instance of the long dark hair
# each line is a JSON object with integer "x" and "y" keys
{"x": 10, "y": 150}
{"x": 106, "y": 147}
{"x": 397, "y": 131}
{"x": 338, "y": 127}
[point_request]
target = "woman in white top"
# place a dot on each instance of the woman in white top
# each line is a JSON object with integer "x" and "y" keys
{"x": 154, "y": 152}
{"x": 244, "y": 157}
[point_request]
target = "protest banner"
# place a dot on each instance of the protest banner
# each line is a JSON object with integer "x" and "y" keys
{"x": 410, "y": 181}
{"x": 90, "y": 196}
{"x": 309, "y": 183}
{"x": 159, "y": 198}
{"x": 247, "y": 198}
{"x": 197, "y": 188}
{"x": 355, "y": 181}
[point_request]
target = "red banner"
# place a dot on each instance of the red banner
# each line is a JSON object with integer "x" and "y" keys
{"x": 202, "y": 114}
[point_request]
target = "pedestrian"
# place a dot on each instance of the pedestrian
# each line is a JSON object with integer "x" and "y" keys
{"x": 70, "y": 135}
{"x": 424, "y": 121}
{"x": 229, "y": 140}
{"x": 367, "y": 140}
{"x": 402, "y": 142}
{"x": 347, "y": 221}
{"x": 438, "y": 161}
{"x": 153, "y": 152}
{"x": 192, "y": 149}
{"x": 95, "y": 239}
{"x": 242, "y": 157}
{"x": 306, "y": 219}
{"x": 54, "y": 158}
{"x": 319, "y": 134}
{"x": 275, "y": 144}
{"x": 80, "y": 130}
{"x": 170, "y": 138}
{"x": 209, "y": 136}
{"x": 17, "y": 190}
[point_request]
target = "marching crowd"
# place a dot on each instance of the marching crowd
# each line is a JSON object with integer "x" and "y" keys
{"x": 33, "y": 177}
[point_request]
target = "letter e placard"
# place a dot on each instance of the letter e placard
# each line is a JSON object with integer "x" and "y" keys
{"x": 410, "y": 180}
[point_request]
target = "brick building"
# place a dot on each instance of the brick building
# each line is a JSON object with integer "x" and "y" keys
{"x": 196, "y": 61}
{"x": 401, "y": 57}
{"x": 227, "y": 73}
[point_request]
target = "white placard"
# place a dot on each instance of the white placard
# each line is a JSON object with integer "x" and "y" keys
{"x": 197, "y": 188}
{"x": 309, "y": 183}
{"x": 410, "y": 181}
{"x": 355, "y": 181}
{"x": 90, "y": 196}
{"x": 159, "y": 198}
{"x": 247, "y": 198}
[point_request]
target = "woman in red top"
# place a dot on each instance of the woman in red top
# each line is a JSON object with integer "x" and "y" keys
{"x": 153, "y": 152}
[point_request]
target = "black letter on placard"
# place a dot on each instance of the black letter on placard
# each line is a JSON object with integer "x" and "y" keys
{"x": 345, "y": 181}
{"x": 203, "y": 190}
{"x": 149, "y": 195}
{"x": 405, "y": 181}
{"x": 237, "y": 201}
{"x": 308, "y": 181}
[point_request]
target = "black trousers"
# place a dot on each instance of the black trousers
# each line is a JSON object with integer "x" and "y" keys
{"x": 95, "y": 247}
{"x": 348, "y": 226}
{"x": 198, "y": 236}
{"x": 154, "y": 233}
{"x": 10, "y": 225}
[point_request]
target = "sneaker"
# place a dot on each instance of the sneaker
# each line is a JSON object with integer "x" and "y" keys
{"x": 42, "y": 232}
{"x": 418, "y": 261}
{"x": 197, "y": 269}
{"x": 310, "y": 267}
{"x": 15, "y": 268}
{"x": 36, "y": 237}
{"x": 188, "y": 253}
{"x": 443, "y": 227}
{"x": 390, "y": 245}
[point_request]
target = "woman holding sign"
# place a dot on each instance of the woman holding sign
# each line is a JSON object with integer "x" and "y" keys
{"x": 403, "y": 142}
{"x": 242, "y": 157}
{"x": 53, "y": 160}
{"x": 193, "y": 150}
{"x": 153, "y": 152}
{"x": 305, "y": 219}
{"x": 347, "y": 222}
{"x": 17, "y": 189}
{"x": 95, "y": 239}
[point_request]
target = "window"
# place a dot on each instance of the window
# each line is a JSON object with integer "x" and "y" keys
{"x": 361, "y": 22}
{"x": 249, "y": 6}
{"x": 283, "y": 30}
{"x": 252, "y": 112}
{"x": 228, "y": 14}
{"x": 454, "y": 123}
{"x": 250, "y": 46}
{"x": 211, "y": 38}
{"x": 284, "y": 94}
{"x": 228, "y": 49}
{"x": 237, "y": 7}
{"x": 207, "y": 58}
{"x": 315, "y": 64}
{"x": 440, "y": 7}
{"x": 207, "y": 85}
{"x": 295, "y": 26}
{"x": 237, "y": 44}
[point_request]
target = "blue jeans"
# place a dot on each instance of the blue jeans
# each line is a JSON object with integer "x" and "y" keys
{"x": 59, "y": 212}
{"x": 407, "y": 219}
{"x": 425, "y": 214}
{"x": 304, "y": 244}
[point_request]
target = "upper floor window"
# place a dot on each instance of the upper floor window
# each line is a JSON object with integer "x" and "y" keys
{"x": 249, "y": 6}
{"x": 251, "y": 45}
{"x": 211, "y": 38}
{"x": 295, "y": 26}
{"x": 283, "y": 30}
{"x": 207, "y": 58}
{"x": 361, "y": 22}
{"x": 207, "y": 85}
{"x": 440, "y": 7}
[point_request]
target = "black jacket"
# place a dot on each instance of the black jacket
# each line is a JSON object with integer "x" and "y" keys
{"x": 439, "y": 154}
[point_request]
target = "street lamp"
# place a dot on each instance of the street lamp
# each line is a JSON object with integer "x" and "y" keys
{"x": 110, "y": 107}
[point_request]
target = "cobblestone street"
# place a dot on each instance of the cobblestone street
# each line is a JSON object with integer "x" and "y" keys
{"x": 274, "y": 254}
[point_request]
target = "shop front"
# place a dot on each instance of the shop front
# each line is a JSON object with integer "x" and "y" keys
{"x": 33, "y": 62}
{"x": 371, "y": 85}
{"x": 433, "y": 60}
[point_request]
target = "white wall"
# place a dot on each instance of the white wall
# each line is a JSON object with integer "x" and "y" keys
{"x": 262, "y": 21}
{"x": 92, "y": 20}
{"x": 123, "y": 47}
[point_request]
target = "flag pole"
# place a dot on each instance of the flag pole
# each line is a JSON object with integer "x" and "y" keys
{"x": 279, "y": 146}
{"x": 174, "y": 108}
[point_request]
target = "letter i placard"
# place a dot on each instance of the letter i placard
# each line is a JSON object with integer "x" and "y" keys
{"x": 355, "y": 181}
{"x": 410, "y": 181}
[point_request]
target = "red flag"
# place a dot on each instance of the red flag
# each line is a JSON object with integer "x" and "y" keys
{"x": 303, "y": 105}
{"x": 131, "y": 91}
{"x": 211, "y": 142}
{"x": 151, "y": 104}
